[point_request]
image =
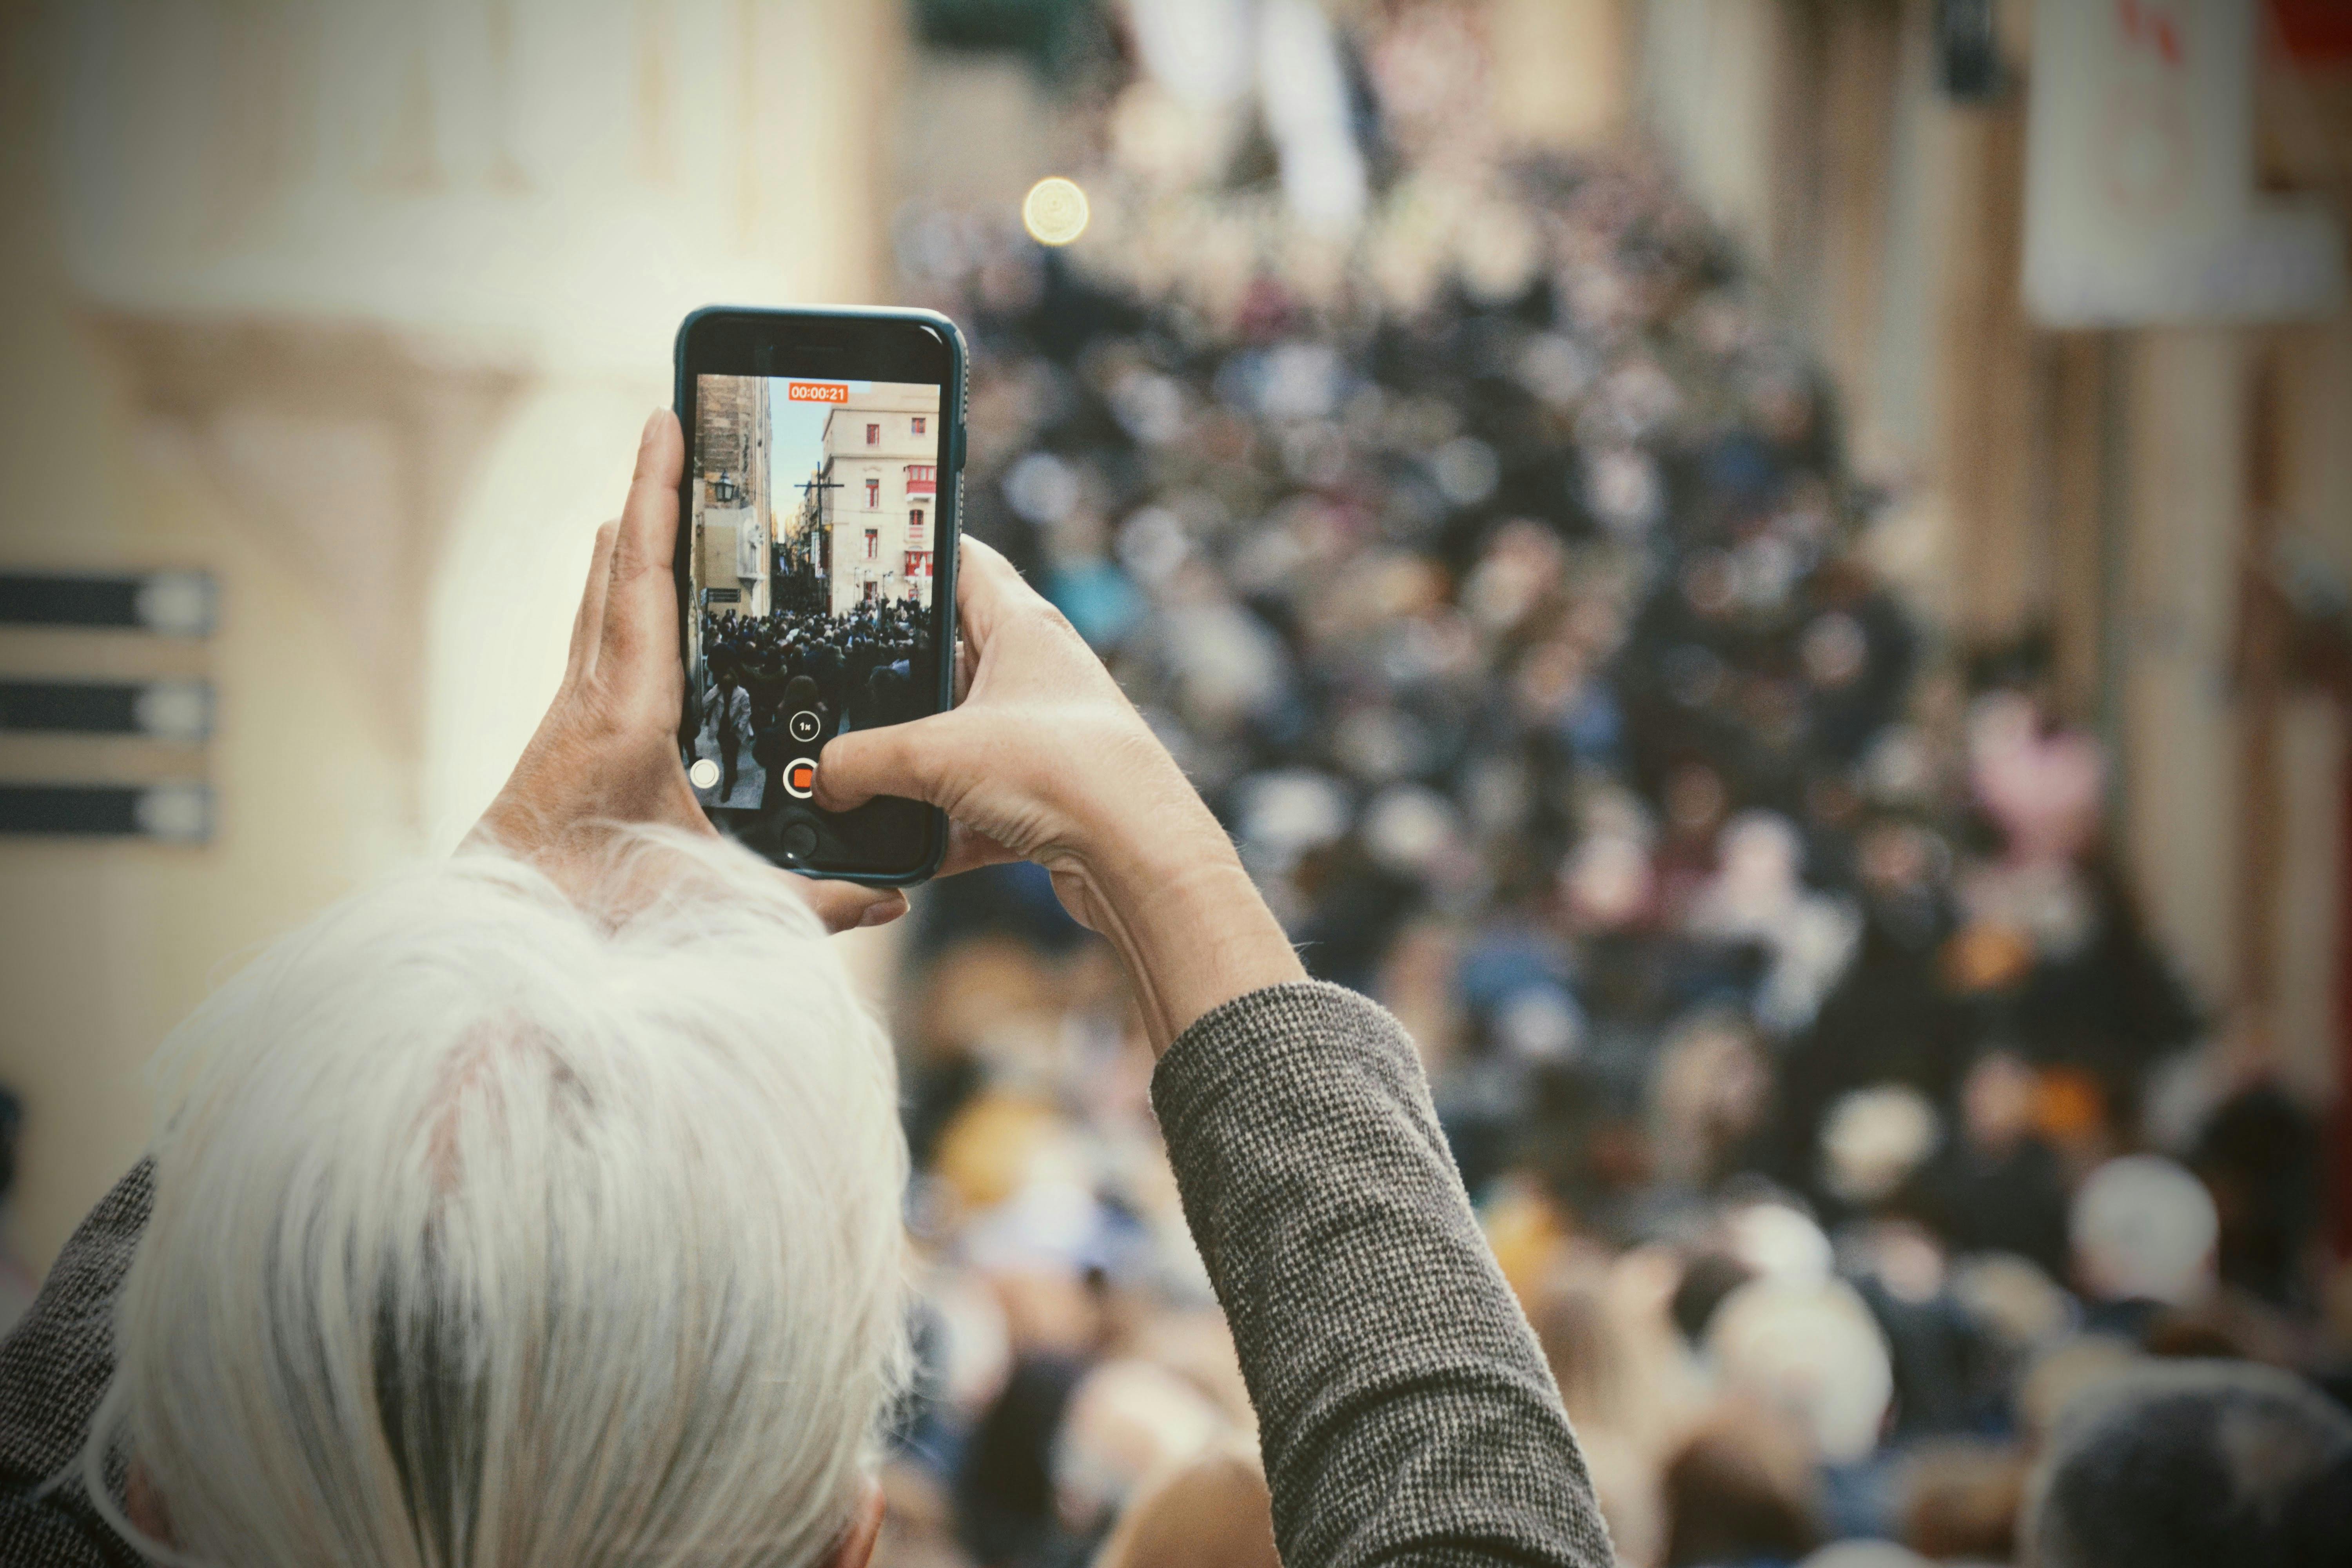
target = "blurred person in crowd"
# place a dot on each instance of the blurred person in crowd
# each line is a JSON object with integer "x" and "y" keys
{"x": 1006, "y": 1510}
{"x": 500, "y": 1214}
{"x": 1865, "y": 1554}
{"x": 1629, "y": 1386}
{"x": 1958, "y": 1500}
{"x": 1739, "y": 1494}
{"x": 1999, "y": 1186}
{"x": 2198, "y": 1465}
{"x": 2144, "y": 1232}
{"x": 1212, "y": 1512}
{"x": 2259, "y": 1154}
{"x": 1131, "y": 1419}
{"x": 1813, "y": 1354}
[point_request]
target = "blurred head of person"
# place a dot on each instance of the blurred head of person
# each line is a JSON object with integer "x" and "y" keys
{"x": 1212, "y": 1512}
{"x": 492, "y": 1225}
{"x": 2215, "y": 1463}
{"x": 2044, "y": 787}
{"x": 2143, "y": 1230}
{"x": 2011, "y": 1300}
{"x": 1957, "y": 1499}
{"x": 1873, "y": 1141}
{"x": 1128, "y": 1421}
{"x": 1621, "y": 1393}
{"x": 1006, "y": 1511}
{"x": 1739, "y": 1491}
{"x": 1813, "y": 1355}
{"x": 1865, "y": 1554}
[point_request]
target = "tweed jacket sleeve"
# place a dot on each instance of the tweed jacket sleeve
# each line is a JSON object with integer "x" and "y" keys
{"x": 54, "y": 1368}
{"x": 1405, "y": 1414}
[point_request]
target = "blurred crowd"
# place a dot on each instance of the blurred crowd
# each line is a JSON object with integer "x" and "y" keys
{"x": 1490, "y": 561}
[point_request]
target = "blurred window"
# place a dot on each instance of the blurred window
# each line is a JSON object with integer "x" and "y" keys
{"x": 873, "y": 492}
{"x": 918, "y": 423}
{"x": 873, "y": 435}
{"x": 872, "y": 544}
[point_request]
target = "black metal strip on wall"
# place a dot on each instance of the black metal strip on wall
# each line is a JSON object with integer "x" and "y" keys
{"x": 167, "y": 603}
{"x": 173, "y": 710}
{"x": 176, "y": 813}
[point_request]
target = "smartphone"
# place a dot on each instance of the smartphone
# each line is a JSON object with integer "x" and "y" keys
{"x": 816, "y": 568}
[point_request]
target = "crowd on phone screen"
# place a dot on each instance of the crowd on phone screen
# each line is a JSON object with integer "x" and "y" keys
{"x": 1826, "y": 1098}
{"x": 873, "y": 664}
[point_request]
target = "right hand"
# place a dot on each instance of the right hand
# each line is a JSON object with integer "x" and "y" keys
{"x": 1046, "y": 759}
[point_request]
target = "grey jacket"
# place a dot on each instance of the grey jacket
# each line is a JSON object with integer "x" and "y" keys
{"x": 1405, "y": 1414}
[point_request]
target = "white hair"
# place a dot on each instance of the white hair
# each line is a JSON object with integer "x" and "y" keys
{"x": 492, "y": 1227}
{"x": 2143, "y": 1228}
{"x": 1811, "y": 1351}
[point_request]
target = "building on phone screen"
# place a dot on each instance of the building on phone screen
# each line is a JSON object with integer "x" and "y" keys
{"x": 733, "y": 519}
{"x": 877, "y": 496}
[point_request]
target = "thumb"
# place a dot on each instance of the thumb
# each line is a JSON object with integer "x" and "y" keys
{"x": 844, "y": 906}
{"x": 911, "y": 760}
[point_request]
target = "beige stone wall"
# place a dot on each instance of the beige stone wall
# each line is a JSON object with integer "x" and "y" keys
{"x": 102, "y": 948}
{"x": 360, "y": 308}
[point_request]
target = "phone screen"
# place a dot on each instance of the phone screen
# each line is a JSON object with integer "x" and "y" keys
{"x": 814, "y": 521}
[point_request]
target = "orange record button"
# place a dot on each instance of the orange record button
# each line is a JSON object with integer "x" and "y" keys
{"x": 817, "y": 391}
{"x": 800, "y": 778}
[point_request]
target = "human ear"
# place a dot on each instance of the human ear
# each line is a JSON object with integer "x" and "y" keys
{"x": 144, "y": 1505}
{"x": 857, "y": 1541}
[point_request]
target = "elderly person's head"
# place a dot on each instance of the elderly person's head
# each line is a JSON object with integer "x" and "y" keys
{"x": 496, "y": 1222}
{"x": 1212, "y": 1512}
{"x": 543, "y": 1207}
{"x": 2210, "y": 1464}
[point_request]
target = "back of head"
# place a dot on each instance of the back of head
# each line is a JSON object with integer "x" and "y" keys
{"x": 490, "y": 1229}
{"x": 2143, "y": 1229}
{"x": 2194, "y": 1464}
{"x": 1214, "y": 1511}
{"x": 1813, "y": 1354}
{"x": 1739, "y": 1491}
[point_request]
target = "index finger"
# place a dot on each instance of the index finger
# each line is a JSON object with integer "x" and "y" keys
{"x": 641, "y": 605}
{"x": 988, "y": 589}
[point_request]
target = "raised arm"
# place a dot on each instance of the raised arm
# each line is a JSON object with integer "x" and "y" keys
{"x": 1405, "y": 1414}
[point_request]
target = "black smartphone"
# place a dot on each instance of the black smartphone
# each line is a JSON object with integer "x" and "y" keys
{"x": 816, "y": 568}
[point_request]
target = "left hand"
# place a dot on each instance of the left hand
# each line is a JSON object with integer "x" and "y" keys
{"x": 606, "y": 753}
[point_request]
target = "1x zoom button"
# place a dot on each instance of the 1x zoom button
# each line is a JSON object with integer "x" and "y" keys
{"x": 805, "y": 725}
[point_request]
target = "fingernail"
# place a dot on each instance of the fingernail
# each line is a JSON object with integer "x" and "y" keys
{"x": 883, "y": 913}
{"x": 653, "y": 423}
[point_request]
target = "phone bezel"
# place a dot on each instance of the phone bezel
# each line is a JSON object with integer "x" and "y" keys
{"x": 872, "y": 343}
